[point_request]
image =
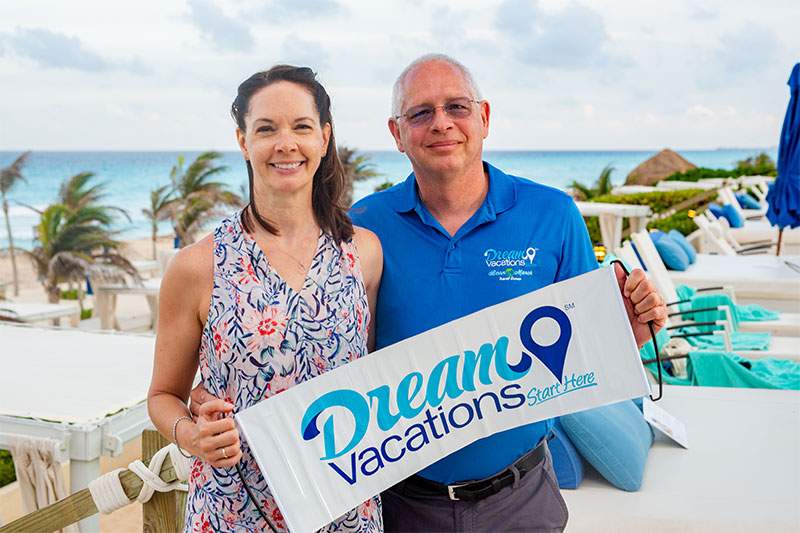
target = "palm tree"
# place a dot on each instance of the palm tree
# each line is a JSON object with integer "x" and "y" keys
{"x": 197, "y": 196}
{"x": 10, "y": 176}
{"x": 356, "y": 168}
{"x": 74, "y": 237}
{"x": 601, "y": 187}
{"x": 160, "y": 209}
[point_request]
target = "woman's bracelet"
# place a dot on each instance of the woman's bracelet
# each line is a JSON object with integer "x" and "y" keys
{"x": 175, "y": 434}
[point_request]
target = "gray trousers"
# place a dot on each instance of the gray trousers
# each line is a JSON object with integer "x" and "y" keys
{"x": 535, "y": 504}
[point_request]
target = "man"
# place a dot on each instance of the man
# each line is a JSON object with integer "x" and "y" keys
{"x": 445, "y": 232}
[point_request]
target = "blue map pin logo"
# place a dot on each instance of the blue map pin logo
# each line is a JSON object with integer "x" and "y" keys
{"x": 552, "y": 356}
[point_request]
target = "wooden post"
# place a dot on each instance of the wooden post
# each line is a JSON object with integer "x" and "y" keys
{"x": 164, "y": 512}
{"x": 78, "y": 506}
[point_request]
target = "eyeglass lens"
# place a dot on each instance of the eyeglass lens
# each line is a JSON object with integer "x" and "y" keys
{"x": 455, "y": 109}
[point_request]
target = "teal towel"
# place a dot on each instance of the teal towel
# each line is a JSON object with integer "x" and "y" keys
{"x": 739, "y": 340}
{"x": 741, "y": 313}
{"x": 756, "y": 313}
{"x": 720, "y": 369}
{"x": 717, "y": 369}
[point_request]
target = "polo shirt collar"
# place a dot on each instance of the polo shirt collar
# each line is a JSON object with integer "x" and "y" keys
{"x": 501, "y": 196}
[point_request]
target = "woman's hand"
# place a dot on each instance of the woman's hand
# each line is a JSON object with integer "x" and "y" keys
{"x": 214, "y": 437}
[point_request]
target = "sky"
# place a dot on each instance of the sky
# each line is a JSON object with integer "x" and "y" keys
{"x": 559, "y": 74}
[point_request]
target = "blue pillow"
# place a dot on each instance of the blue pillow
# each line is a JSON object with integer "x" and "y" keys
{"x": 734, "y": 218}
{"x": 684, "y": 243}
{"x": 747, "y": 202}
{"x": 672, "y": 254}
{"x": 716, "y": 210}
{"x": 656, "y": 235}
{"x": 614, "y": 439}
{"x": 566, "y": 461}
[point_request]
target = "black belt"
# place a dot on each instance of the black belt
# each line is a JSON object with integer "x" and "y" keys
{"x": 477, "y": 490}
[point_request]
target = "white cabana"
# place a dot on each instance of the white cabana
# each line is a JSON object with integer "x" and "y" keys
{"x": 741, "y": 472}
{"x": 611, "y": 216}
{"x": 86, "y": 391}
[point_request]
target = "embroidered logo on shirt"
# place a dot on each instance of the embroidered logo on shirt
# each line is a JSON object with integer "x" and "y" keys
{"x": 510, "y": 265}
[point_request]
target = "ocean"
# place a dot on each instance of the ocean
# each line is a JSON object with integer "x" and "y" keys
{"x": 129, "y": 176}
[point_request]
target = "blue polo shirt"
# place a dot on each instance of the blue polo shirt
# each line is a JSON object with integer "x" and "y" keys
{"x": 523, "y": 237}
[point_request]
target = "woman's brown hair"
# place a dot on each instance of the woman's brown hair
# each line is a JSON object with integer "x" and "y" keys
{"x": 329, "y": 181}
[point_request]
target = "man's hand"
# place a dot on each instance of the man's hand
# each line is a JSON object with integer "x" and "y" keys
{"x": 642, "y": 302}
{"x": 197, "y": 398}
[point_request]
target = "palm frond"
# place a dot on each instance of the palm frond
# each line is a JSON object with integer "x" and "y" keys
{"x": 12, "y": 174}
{"x": 581, "y": 191}
{"x": 604, "y": 185}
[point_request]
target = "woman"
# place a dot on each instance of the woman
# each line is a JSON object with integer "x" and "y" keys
{"x": 279, "y": 293}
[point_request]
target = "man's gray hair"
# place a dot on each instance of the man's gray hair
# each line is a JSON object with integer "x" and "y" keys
{"x": 398, "y": 91}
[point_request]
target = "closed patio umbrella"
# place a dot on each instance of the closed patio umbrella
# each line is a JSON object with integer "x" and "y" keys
{"x": 784, "y": 195}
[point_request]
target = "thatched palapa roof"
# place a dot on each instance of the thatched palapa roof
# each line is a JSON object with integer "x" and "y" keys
{"x": 658, "y": 167}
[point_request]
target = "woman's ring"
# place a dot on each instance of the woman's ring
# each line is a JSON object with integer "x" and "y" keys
{"x": 225, "y": 455}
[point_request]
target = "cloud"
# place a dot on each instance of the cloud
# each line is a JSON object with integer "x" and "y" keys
{"x": 227, "y": 33}
{"x": 305, "y": 8}
{"x": 51, "y": 49}
{"x": 298, "y": 51}
{"x": 702, "y": 14}
{"x": 699, "y": 111}
{"x": 570, "y": 38}
{"x": 748, "y": 50}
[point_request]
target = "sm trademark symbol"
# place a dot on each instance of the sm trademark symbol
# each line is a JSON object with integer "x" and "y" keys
{"x": 569, "y": 306}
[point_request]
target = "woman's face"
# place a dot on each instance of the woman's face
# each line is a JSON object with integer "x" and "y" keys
{"x": 284, "y": 140}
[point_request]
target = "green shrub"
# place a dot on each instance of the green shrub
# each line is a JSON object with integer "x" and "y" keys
{"x": 383, "y": 186}
{"x": 679, "y": 221}
{"x": 86, "y": 314}
{"x": 659, "y": 202}
{"x": 702, "y": 173}
{"x": 7, "y": 474}
{"x": 69, "y": 294}
{"x": 760, "y": 165}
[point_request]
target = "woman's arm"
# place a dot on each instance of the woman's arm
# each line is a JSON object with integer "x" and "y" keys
{"x": 370, "y": 256}
{"x": 184, "y": 298}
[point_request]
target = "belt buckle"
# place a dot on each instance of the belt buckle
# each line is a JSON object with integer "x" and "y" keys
{"x": 451, "y": 491}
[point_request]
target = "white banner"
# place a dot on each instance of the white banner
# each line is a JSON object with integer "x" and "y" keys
{"x": 329, "y": 443}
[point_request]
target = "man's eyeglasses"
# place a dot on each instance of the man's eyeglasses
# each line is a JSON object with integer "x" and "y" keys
{"x": 422, "y": 115}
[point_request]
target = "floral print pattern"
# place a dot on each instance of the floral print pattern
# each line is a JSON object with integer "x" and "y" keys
{"x": 262, "y": 337}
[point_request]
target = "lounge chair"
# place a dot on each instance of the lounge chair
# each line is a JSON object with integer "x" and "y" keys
{"x": 31, "y": 313}
{"x": 787, "y": 325}
{"x": 779, "y": 346}
{"x": 728, "y": 197}
{"x": 766, "y": 279}
{"x": 718, "y": 237}
{"x": 740, "y": 473}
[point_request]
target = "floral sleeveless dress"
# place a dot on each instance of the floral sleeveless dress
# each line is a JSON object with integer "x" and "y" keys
{"x": 261, "y": 338}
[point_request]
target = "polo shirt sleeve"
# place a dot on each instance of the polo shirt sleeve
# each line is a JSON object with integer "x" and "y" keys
{"x": 577, "y": 253}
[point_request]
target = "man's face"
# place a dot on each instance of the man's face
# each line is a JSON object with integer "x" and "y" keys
{"x": 445, "y": 145}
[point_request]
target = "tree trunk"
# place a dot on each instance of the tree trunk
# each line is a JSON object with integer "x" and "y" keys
{"x": 14, "y": 272}
{"x": 53, "y": 293}
{"x": 154, "y": 236}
